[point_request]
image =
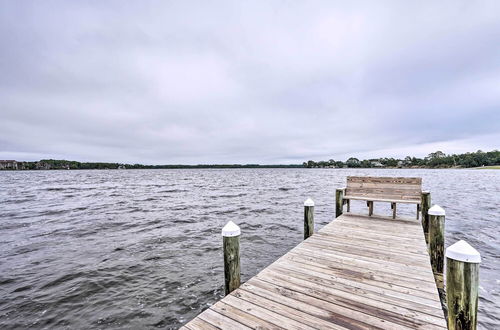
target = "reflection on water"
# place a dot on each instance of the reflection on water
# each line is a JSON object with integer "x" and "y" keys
{"x": 142, "y": 248}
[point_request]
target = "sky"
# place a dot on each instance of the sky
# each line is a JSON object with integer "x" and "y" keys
{"x": 269, "y": 82}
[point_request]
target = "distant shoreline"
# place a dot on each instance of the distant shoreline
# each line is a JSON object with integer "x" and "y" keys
{"x": 493, "y": 167}
{"x": 438, "y": 159}
{"x": 194, "y": 167}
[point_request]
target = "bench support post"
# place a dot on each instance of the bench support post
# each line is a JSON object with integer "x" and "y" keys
{"x": 393, "y": 207}
{"x": 370, "y": 208}
{"x": 339, "y": 202}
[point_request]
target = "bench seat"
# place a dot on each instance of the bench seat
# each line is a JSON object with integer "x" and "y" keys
{"x": 383, "y": 189}
{"x": 392, "y": 200}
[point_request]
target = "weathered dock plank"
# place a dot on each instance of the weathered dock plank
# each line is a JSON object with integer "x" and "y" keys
{"x": 358, "y": 272}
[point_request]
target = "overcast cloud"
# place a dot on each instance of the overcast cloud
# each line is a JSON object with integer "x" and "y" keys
{"x": 166, "y": 82}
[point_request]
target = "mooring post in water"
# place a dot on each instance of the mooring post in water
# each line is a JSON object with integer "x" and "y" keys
{"x": 231, "y": 241}
{"x": 436, "y": 247}
{"x": 308, "y": 218}
{"x": 425, "y": 205}
{"x": 462, "y": 284}
{"x": 339, "y": 201}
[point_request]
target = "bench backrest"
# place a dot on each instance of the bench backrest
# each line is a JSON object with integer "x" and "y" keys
{"x": 384, "y": 187}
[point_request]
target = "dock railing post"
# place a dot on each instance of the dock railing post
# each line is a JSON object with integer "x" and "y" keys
{"x": 436, "y": 247}
{"x": 231, "y": 242}
{"x": 339, "y": 201}
{"x": 308, "y": 218}
{"x": 462, "y": 284}
{"x": 425, "y": 205}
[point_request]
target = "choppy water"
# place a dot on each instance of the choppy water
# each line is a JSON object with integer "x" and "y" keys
{"x": 142, "y": 248}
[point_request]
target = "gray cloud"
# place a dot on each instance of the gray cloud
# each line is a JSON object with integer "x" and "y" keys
{"x": 265, "y": 82}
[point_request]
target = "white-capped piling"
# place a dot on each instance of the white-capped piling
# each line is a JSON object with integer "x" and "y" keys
{"x": 425, "y": 205}
{"x": 339, "y": 201}
{"x": 231, "y": 243}
{"x": 436, "y": 242}
{"x": 308, "y": 218}
{"x": 462, "y": 284}
{"x": 435, "y": 247}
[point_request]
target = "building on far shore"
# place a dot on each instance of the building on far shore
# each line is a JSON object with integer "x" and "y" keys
{"x": 41, "y": 165}
{"x": 8, "y": 165}
{"x": 376, "y": 163}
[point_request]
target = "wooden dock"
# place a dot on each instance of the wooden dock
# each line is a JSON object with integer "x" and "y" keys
{"x": 357, "y": 272}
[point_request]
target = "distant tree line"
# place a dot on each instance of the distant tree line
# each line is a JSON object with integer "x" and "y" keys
{"x": 436, "y": 159}
{"x": 57, "y": 164}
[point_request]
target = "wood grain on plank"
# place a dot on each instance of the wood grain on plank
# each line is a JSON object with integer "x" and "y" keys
{"x": 221, "y": 321}
{"x": 198, "y": 323}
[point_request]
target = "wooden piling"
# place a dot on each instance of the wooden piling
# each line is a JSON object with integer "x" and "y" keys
{"x": 308, "y": 218}
{"x": 436, "y": 249}
{"x": 436, "y": 242}
{"x": 339, "y": 201}
{"x": 462, "y": 284}
{"x": 231, "y": 242}
{"x": 425, "y": 204}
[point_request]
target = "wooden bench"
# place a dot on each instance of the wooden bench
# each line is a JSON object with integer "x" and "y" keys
{"x": 383, "y": 189}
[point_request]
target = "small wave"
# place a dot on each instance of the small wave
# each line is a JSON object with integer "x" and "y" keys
{"x": 225, "y": 212}
{"x": 4, "y": 281}
{"x": 229, "y": 195}
{"x": 172, "y": 191}
{"x": 255, "y": 239}
{"x": 153, "y": 258}
{"x": 261, "y": 211}
{"x": 18, "y": 200}
{"x": 52, "y": 212}
{"x": 22, "y": 288}
{"x": 282, "y": 226}
{"x": 81, "y": 208}
{"x": 185, "y": 221}
{"x": 63, "y": 279}
{"x": 245, "y": 225}
{"x": 179, "y": 208}
{"x": 138, "y": 209}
